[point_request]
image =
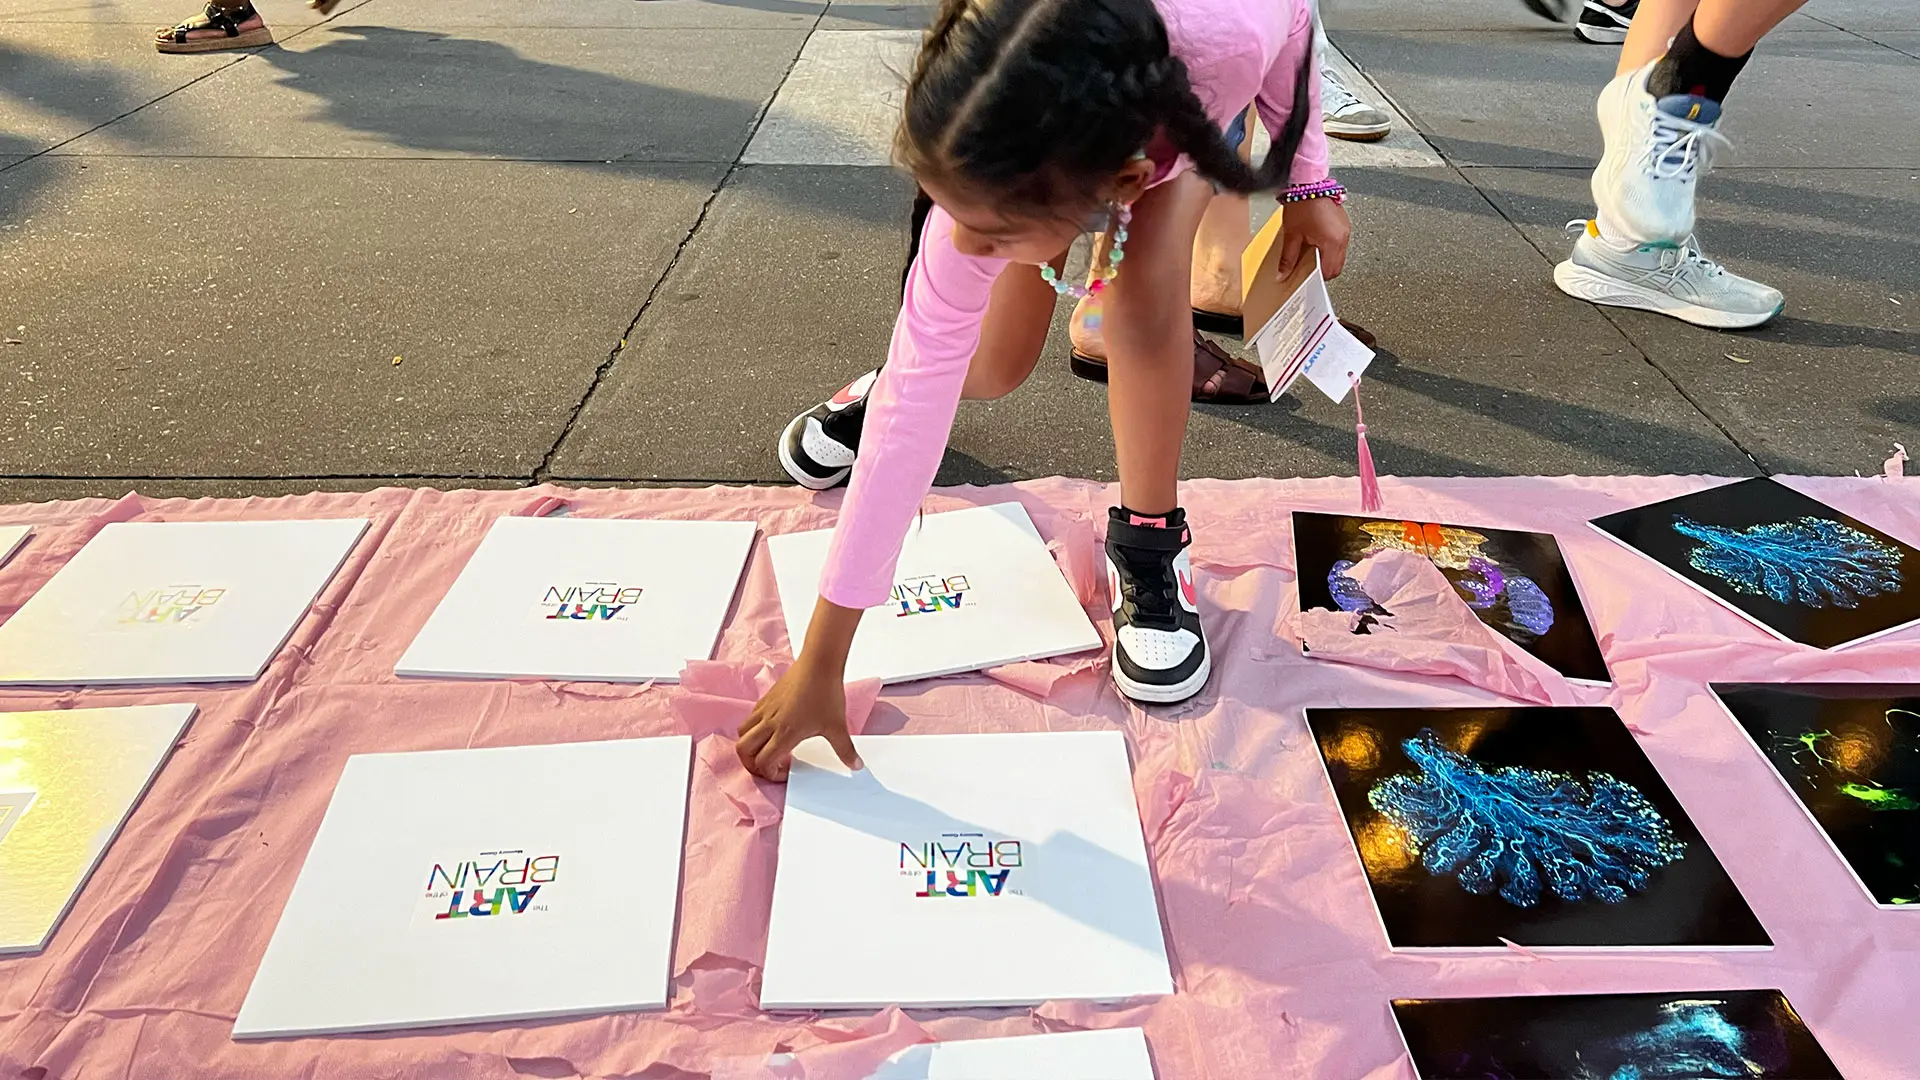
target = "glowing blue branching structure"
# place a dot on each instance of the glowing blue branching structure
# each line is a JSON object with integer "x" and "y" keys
{"x": 1517, "y": 830}
{"x": 1694, "y": 1041}
{"x": 1812, "y": 561}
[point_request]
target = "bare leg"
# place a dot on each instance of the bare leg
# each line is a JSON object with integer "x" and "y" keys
{"x": 1012, "y": 333}
{"x": 1150, "y": 342}
{"x": 1223, "y": 234}
{"x": 1653, "y": 26}
{"x": 1734, "y": 27}
{"x": 1728, "y": 27}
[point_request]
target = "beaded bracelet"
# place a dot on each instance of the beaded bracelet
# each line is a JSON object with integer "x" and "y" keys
{"x": 1319, "y": 189}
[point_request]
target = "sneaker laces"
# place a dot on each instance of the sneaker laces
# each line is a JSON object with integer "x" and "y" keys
{"x": 1676, "y": 262}
{"x": 1679, "y": 148}
{"x": 1335, "y": 98}
{"x": 1149, "y": 590}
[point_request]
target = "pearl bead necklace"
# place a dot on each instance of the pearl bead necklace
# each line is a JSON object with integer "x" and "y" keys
{"x": 1122, "y": 216}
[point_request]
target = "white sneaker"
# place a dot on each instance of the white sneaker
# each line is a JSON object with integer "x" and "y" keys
{"x": 1655, "y": 154}
{"x": 1676, "y": 281}
{"x": 1345, "y": 116}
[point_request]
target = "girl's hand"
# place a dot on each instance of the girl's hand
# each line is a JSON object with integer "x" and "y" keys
{"x": 810, "y": 699}
{"x": 1320, "y": 223}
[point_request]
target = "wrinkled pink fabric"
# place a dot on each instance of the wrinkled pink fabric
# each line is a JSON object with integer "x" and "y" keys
{"x": 1236, "y": 51}
{"x": 838, "y": 1050}
{"x": 1430, "y": 631}
{"x": 1281, "y": 966}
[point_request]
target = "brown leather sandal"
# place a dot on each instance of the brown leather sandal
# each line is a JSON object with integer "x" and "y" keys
{"x": 1219, "y": 378}
{"x": 323, "y": 7}
{"x": 1219, "y": 322}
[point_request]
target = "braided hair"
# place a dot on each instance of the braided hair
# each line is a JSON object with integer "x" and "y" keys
{"x": 1041, "y": 102}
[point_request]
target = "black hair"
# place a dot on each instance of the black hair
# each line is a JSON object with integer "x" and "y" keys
{"x": 1041, "y": 102}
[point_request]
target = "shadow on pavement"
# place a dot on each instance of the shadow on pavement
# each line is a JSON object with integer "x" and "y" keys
{"x": 496, "y": 103}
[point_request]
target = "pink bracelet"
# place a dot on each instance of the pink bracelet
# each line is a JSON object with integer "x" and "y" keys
{"x": 1319, "y": 189}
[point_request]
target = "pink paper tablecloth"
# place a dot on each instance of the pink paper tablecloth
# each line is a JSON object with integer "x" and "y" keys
{"x": 1282, "y": 968}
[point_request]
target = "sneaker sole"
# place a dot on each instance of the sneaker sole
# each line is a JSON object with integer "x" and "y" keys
{"x": 1599, "y": 35}
{"x": 801, "y": 476}
{"x": 1357, "y": 132}
{"x": 250, "y": 39}
{"x": 1157, "y": 694}
{"x": 1583, "y": 284}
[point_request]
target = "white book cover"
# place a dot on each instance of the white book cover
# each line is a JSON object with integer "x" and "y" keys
{"x": 973, "y": 589}
{"x": 1108, "y": 1054}
{"x": 11, "y": 538}
{"x": 473, "y": 886}
{"x": 174, "y": 602}
{"x": 69, "y": 779}
{"x": 963, "y": 870}
{"x": 585, "y": 599}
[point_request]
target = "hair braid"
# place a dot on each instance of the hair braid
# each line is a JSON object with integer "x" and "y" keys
{"x": 1190, "y": 129}
{"x": 1041, "y": 102}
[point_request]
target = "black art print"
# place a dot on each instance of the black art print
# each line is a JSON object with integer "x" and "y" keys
{"x": 1516, "y": 582}
{"x": 1790, "y": 563}
{"x": 1851, "y": 754}
{"x": 1546, "y": 827}
{"x": 1724, "y": 1035}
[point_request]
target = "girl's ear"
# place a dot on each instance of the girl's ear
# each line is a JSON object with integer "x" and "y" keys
{"x": 1131, "y": 181}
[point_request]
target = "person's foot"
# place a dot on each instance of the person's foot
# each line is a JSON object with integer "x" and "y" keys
{"x": 215, "y": 28}
{"x": 1603, "y": 25}
{"x": 818, "y": 447}
{"x": 1656, "y": 152}
{"x": 1345, "y": 116}
{"x": 1550, "y": 9}
{"x": 1676, "y": 281}
{"x": 1159, "y": 651}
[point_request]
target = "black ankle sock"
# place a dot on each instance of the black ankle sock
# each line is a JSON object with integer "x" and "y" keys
{"x": 1691, "y": 68}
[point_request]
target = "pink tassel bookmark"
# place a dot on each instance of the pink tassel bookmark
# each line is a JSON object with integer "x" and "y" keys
{"x": 1370, "y": 500}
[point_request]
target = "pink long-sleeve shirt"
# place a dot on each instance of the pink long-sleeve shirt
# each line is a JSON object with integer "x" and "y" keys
{"x": 1236, "y": 51}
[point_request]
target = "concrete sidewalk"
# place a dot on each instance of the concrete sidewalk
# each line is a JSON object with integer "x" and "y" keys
{"x": 474, "y": 242}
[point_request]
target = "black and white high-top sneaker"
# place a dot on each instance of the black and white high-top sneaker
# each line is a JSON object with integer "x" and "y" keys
{"x": 1159, "y": 651}
{"x": 1604, "y": 25}
{"x": 818, "y": 447}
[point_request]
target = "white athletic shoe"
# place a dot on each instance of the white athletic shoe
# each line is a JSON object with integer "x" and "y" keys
{"x": 1676, "y": 281}
{"x": 1656, "y": 152}
{"x": 1344, "y": 116}
{"x": 1159, "y": 648}
{"x": 818, "y": 447}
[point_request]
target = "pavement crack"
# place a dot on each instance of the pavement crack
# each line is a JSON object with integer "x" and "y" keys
{"x": 544, "y": 471}
{"x": 1645, "y": 357}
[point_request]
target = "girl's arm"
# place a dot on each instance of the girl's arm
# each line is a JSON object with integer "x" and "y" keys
{"x": 1319, "y": 223}
{"x": 1275, "y": 99}
{"x": 909, "y": 415}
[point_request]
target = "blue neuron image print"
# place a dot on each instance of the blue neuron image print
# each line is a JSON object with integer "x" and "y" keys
{"x": 1811, "y": 561}
{"x": 1525, "y": 832}
{"x": 1693, "y": 1041}
{"x": 1730, "y": 1035}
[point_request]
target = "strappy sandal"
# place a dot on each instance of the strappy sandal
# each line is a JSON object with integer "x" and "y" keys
{"x": 323, "y": 7}
{"x": 180, "y": 39}
{"x": 1219, "y": 322}
{"x": 1219, "y": 378}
